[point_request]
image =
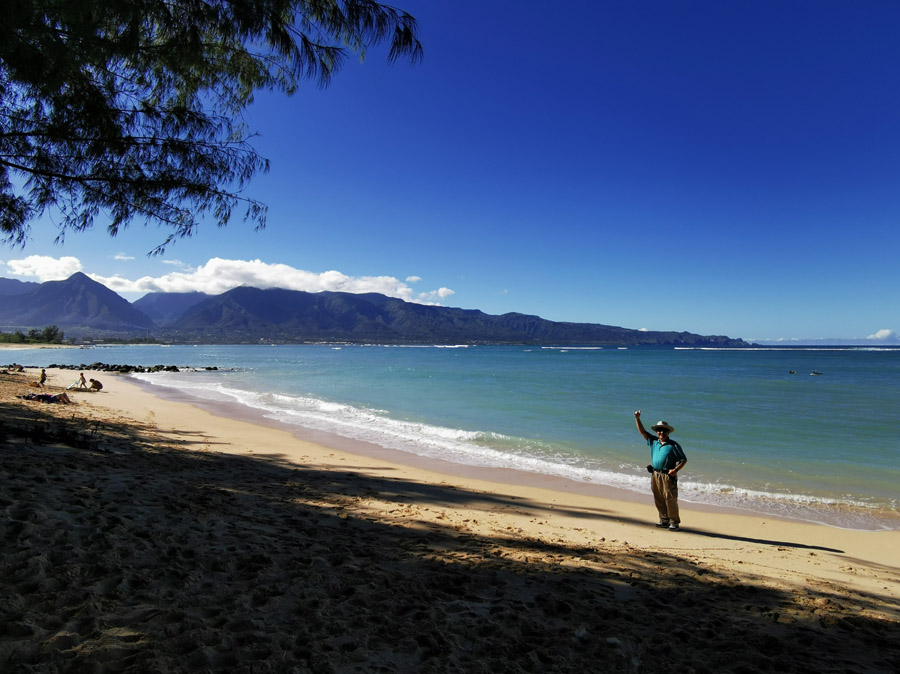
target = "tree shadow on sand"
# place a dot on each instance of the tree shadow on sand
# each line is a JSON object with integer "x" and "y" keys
{"x": 120, "y": 554}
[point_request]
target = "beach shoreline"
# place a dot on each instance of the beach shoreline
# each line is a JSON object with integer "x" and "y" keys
{"x": 774, "y": 466}
{"x": 824, "y": 514}
{"x": 130, "y": 395}
{"x": 496, "y": 475}
{"x": 6, "y": 346}
{"x": 164, "y": 475}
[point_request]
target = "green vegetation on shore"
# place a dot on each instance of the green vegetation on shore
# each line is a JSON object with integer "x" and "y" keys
{"x": 49, "y": 335}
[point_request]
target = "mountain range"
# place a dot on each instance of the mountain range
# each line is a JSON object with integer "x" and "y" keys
{"x": 84, "y": 309}
{"x": 76, "y": 302}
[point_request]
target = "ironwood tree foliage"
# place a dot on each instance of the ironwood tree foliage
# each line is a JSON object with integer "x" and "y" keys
{"x": 132, "y": 109}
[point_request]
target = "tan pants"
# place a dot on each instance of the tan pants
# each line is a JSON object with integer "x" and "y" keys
{"x": 665, "y": 494}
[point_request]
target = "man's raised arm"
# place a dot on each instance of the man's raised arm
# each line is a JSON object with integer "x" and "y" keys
{"x": 640, "y": 426}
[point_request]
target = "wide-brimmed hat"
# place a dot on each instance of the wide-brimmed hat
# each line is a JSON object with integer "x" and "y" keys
{"x": 662, "y": 426}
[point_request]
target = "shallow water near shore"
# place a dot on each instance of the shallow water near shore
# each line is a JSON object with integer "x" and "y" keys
{"x": 758, "y": 437}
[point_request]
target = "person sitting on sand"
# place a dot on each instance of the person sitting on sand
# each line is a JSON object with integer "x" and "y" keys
{"x": 95, "y": 385}
{"x": 61, "y": 398}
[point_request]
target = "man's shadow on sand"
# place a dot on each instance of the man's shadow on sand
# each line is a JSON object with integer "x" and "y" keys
{"x": 758, "y": 541}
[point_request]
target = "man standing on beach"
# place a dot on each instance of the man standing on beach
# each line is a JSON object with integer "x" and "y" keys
{"x": 666, "y": 459}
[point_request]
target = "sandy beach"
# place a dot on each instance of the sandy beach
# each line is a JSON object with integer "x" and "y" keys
{"x": 146, "y": 535}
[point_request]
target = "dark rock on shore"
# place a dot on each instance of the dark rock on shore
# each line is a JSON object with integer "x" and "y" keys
{"x": 122, "y": 369}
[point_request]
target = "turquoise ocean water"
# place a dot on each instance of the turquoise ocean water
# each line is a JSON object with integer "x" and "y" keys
{"x": 823, "y": 448}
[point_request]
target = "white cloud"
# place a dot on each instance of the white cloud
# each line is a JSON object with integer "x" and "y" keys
{"x": 44, "y": 268}
{"x": 219, "y": 275}
{"x": 883, "y": 337}
{"x": 413, "y": 279}
{"x": 122, "y": 257}
{"x": 433, "y": 296}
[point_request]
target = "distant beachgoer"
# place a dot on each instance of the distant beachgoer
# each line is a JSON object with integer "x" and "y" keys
{"x": 43, "y": 378}
{"x": 79, "y": 383}
{"x": 666, "y": 459}
{"x": 49, "y": 398}
{"x": 95, "y": 385}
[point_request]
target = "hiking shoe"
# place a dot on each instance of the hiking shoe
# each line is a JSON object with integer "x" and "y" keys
{"x": 662, "y": 524}
{"x": 674, "y": 527}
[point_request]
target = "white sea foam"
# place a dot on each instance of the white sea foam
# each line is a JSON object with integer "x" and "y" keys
{"x": 572, "y": 348}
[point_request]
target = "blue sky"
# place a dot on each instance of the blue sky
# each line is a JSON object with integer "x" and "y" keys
{"x": 716, "y": 167}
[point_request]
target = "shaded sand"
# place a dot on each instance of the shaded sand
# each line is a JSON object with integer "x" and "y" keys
{"x": 144, "y": 535}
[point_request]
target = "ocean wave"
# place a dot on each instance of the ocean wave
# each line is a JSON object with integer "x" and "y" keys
{"x": 572, "y": 348}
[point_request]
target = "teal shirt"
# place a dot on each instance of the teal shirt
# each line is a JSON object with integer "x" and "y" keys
{"x": 665, "y": 456}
